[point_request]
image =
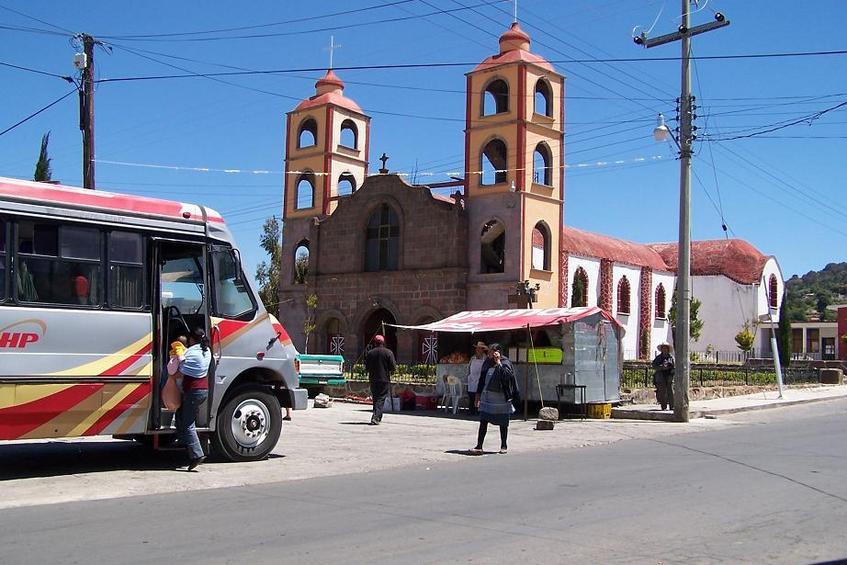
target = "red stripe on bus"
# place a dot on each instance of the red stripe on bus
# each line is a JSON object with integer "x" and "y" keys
{"x": 119, "y": 368}
{"x": 137, "y": 394}
{"x": 21, "y": 419}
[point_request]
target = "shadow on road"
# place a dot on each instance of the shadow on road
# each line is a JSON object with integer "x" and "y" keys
{"x": 469, "y": 453}
{"x": 51, "y": 459}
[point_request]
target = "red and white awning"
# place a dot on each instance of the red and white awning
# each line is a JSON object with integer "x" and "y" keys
{"x": 476, "y": 321}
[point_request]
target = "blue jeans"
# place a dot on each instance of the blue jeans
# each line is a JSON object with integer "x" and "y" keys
{"x": 186, "y": 417}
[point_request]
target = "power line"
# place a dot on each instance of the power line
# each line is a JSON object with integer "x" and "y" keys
{"x": 401, "y": 66}
{"x": 37, "y": 71}
{"x": 50, "y": 105}
{"x": 808, "y": 119}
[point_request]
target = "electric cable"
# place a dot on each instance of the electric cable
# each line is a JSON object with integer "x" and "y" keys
{"x": 50, "y": 105}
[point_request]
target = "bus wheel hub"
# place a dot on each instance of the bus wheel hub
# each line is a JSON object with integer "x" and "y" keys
{"x": 249, "y": 423}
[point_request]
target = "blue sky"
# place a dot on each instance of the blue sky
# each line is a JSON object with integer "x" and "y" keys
{"x": 782, "y": 191}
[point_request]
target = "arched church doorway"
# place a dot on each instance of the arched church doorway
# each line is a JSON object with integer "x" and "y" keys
{"x": 373, "y": 325}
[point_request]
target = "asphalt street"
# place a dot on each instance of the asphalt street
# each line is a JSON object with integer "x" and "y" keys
{"x": 769, "y": 490}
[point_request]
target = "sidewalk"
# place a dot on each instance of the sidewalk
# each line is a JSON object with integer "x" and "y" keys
{"x": 732, "y": 404}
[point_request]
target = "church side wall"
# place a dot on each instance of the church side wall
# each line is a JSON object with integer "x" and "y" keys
{"x": 726, "y": 305}
{"x": 629, "y": 321}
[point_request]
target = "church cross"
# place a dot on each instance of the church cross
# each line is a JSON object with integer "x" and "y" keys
{"x": 332, "y": 47}
{"x": 384, "y": 159}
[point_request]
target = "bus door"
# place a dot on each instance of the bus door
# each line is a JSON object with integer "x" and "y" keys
{"x": 181, "y": 305}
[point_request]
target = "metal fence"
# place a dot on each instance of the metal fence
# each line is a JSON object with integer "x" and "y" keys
{"x": 640, "y": 375}
{"x": 715, "y": 357}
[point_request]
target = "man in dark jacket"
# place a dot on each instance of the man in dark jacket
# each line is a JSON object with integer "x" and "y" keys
{"x": 379, "y": 363}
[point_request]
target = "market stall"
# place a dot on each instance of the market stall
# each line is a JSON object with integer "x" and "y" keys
{"x": 576, "y": 347}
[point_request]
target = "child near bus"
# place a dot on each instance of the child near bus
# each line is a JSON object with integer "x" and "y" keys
{"x": 171, "y": 396}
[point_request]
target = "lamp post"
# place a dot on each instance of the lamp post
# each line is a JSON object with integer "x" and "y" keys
{"x": 686, "y": 137}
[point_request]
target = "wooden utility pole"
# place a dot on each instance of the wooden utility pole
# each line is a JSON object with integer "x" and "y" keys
{"x": 86, "y": 112}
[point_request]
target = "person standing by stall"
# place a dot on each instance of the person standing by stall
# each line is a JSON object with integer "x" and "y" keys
{"x": 663, "y": 377}
{"x": 474, "y": 374}
{"x": 379, "y": 363}
{"x": 498, "y": 388}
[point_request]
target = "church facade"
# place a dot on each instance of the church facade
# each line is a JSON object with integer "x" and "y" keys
{"x": 360, "y": 249}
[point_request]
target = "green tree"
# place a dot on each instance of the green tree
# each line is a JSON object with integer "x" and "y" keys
{"x": 309, "y": 321}
{"x": 301, "y": 268}
{"x": 783, "y": 334}
{"x": 696, "y": 324}
{"x": 745, "y": 338}
{"x": 268, "y": 273}
{"x": 43, "y": 172}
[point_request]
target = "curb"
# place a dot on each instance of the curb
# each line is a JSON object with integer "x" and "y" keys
{"x": 625, "y": 414}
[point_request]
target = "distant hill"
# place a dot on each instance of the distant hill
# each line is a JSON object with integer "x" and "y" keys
{"x": 809, "y": 295}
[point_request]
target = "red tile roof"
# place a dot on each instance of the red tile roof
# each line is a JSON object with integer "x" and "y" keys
{"x": 733, "y": 258}
{"x": 579, "y": 242}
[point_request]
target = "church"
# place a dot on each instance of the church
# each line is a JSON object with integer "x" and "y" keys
{"x": 371, "y": 248}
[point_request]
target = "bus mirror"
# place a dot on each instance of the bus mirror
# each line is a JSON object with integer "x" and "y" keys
{"x": 239, "y": 272}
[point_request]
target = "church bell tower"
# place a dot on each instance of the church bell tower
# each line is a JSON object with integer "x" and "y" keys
{"x": 514, "y": 163}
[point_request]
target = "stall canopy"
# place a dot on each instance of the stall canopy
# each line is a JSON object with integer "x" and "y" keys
{"x": 474, "y": 321}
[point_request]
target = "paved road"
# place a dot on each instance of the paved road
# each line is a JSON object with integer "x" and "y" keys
{"x": 771, "y": 490}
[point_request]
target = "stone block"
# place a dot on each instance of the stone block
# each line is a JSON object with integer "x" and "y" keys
{"x": 832, "y": 377}
{"x": 548, "y": 413}
{"x": 544, "y": 425}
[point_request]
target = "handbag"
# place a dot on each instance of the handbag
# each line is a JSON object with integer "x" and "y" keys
{"x": 171, "y": 395}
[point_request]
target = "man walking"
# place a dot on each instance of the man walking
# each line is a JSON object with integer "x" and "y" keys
{"x": 663, "y": 376}
{"x": 379, "y": 363}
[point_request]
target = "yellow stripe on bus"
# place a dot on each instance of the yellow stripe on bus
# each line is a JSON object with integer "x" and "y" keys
{"x": 13, "y": 394}
{"x": 146, "y": 370}
{"x": 116, "y": 397}
{"x": 100, "y": 365}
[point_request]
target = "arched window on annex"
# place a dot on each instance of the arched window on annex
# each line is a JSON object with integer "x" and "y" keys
{"x": 305, "y": 191}
{"x": 541, "y": 247}
{"x": 493, "y": 163}
{"x": 773, "y": 290}
{"x": 307, "y": 135}
{"x": 382, "y": 240}
{"x": 543, "y": 98}
{"x": 346, "y": 184}
{"x": 349, "y": 135}
{"x": 579, "y": 288}
{"x": 495, "y": 98}
{"x": 661, "y": 312}
{"x": 624, "y": 293}
{"x": 492, "y": 247}
{"x": 542, "y": 165}
{"x": 301, "y": 262}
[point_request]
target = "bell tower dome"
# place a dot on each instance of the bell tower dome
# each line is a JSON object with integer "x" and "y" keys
{"x": 514, "y": 163}
{"x": 326, "y": 150}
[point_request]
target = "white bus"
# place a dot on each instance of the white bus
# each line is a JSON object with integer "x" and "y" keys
{"x": 93, "y": 288}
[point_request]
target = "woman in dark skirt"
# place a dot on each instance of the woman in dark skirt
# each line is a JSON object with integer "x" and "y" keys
{"x": 498, "y": 387}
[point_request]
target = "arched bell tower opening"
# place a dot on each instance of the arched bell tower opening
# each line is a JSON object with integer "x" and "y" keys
{"x": 514, "y": 162}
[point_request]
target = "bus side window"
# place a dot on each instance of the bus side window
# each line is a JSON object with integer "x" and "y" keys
{"x": 126, "y": 270}
{"x": 232, "y": 297}
{"x": 58, "y": 264}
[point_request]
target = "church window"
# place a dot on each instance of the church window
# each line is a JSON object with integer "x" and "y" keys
{"x": 334, "y": 337}
{"x": 542, "y": 170}
{"x": 579, "y": 288}
{"x": 493, "y": 163}
{"x": 495, "y": 98}
{"x": 660, "y": 301}
{"x": 346, "y": 184}
{"x": 308, "y": 134}
{"x": 305, "y": 192}
{"x": 623, "y": 296}
{"x": 349, "y": 135}
{"x": 541, "y": 247}
{"x": 543, "y": 98}
{"x": 382, "y": 245}
{"x": 301, "y": 262}
{"x": 493, "y": 247}
{"x": 773, "y": 290}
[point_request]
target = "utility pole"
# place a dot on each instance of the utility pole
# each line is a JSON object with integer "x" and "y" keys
{"x": 86, "y": 108}
{"x": 686, "y": 138}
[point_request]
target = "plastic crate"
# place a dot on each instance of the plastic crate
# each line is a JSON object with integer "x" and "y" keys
{"x": 599, "y": 411}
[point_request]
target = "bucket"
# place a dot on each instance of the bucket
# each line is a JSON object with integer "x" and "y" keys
{"x": 392, "y": 404}
{"x": 599, "y": 411}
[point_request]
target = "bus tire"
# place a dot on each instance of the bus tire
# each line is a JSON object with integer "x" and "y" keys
{"x": 249, "y": 425}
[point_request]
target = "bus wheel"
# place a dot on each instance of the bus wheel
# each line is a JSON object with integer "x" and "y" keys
{"x": 248, "y": 426}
